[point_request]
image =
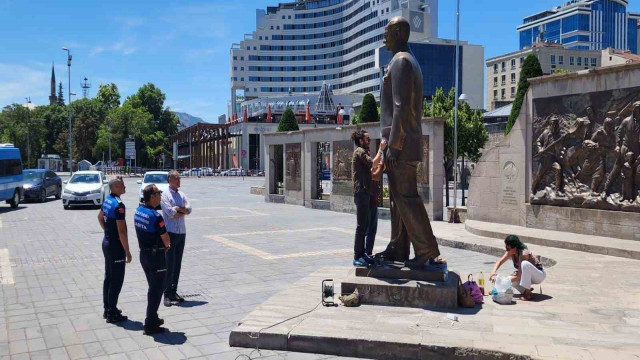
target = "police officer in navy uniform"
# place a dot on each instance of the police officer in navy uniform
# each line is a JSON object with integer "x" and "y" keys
{"x": 154, "y": 242}
{"x": 115, "y": 247}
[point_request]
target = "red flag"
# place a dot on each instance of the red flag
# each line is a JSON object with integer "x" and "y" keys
{"x": 268, "y": 113}
{"x": 245, "y": 118}
{"x": 308, "y": 114}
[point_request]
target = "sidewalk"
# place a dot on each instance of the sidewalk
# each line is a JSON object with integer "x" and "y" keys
{"x": 589, "y": 309}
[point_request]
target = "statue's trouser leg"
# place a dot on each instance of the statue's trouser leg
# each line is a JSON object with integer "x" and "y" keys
{"x": 413, "y": 220}
{"x": 598, "y": 175}
{"x": 615, "y": 172}
{"x": 558, "y": 171}
{"x": 542, "y": 169}
{"x": 399, "y": 244}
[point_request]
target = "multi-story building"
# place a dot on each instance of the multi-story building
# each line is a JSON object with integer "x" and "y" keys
{"x": 299, "y": 45}
{"x": 584, "y": 25}
{"x": 503, "y": 72}
{"x": 437, "y": 58}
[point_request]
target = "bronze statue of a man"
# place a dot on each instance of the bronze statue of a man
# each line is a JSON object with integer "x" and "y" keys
{"x": 400, "y": 122}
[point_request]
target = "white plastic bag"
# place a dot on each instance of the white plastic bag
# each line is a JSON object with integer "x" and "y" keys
{"x": 504, "y": 298}
{"x": 503, "y": 283}
{"x": 502, "y": 292}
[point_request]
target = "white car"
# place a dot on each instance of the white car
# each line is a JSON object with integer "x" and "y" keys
{"x": 85, "y": 188}
{"x": 159, "y": 178}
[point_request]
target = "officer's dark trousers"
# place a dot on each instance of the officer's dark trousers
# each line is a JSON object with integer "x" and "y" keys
{"x": 155, "y": 269}
{"x": 114, "y": 263}
{"x": 174, "y": 262}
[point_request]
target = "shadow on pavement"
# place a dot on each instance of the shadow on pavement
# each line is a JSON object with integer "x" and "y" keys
{"x": 130, "y": 325}
{"x": 170, "y": 338}
{"x": 8, "y": 209}
{"x": 191, "y": 303}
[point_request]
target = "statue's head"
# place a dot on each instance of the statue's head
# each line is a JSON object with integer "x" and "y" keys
{"x": 608, "y": 124}
{"x": 590, "y": 111}
{"x": 397, "y": 33}
{"x": 629, "y": 157}
{"x": 555, "y": 123}
{"x": 636, "y": 110}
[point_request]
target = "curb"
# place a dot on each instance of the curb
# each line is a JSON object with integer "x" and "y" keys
{"x": 594, "y": 249}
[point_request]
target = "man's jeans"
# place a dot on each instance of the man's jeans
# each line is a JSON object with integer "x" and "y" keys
{"x": 361, "y": 199}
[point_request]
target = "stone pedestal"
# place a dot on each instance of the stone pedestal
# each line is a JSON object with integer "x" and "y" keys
{"x": 404, "y": 292}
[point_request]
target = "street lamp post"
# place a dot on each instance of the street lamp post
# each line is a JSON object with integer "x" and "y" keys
{"x": 109, "y": 124}
{"x": 28, "y": 140}
{"x": 69, "y": 108}
{"x": 455, "y": 120}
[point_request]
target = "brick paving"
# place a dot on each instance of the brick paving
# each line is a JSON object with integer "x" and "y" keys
{"x": 240, "y": 251}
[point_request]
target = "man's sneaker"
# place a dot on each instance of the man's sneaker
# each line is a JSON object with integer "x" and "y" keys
{"x": 113, "y": 319}
{"x": 359, "y": 262}
{"x": 152, "y": 330}
{"x": 105, "y": 313}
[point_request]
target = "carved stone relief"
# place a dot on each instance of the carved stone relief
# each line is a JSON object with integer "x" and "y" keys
{"x": 342, "y": 153}
{"x": 423, "y": 166}
{"x": 586, "y": 150}
{"x": 292, "y": 167}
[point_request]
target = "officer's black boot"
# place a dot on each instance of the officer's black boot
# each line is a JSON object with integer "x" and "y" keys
{"x": 113, "y": 316}
{"x": 104, "y": 314}
{"x": 153, "y": 329}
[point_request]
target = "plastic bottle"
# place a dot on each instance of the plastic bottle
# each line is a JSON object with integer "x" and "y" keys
{"x": 481, "y": 282}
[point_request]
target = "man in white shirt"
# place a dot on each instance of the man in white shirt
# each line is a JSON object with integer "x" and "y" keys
{"x": 175, "y": 207}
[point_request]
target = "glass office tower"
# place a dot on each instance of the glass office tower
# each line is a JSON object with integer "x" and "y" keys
{"x": 584, "y": 25}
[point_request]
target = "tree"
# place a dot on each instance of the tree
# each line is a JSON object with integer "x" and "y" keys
{"x": 109, "y": 95}
{"x": 472, "y": 135}
{"x": 288, "y": 122}
{"x": 60, "y": 100}
{"x": 54, "y": 122}
{"x": 369, "y": 110}
{"x": 88, "y": 115}
{"x": 530, "y": 68}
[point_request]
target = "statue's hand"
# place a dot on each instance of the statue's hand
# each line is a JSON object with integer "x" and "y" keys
{"x": 392, "y": 157}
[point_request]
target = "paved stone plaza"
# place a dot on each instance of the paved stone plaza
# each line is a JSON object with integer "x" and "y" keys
{"x": 240, "y": 251}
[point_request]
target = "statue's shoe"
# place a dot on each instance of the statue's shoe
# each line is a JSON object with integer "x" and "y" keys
{"x": 385, "y": 256}
{"x": 418, "y": 261}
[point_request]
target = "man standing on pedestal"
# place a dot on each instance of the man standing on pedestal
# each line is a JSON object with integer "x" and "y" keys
{"x": 400, "y": 120}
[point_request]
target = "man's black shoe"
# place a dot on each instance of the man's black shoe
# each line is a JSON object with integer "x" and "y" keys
{"x": 152, "y": 330}
{"x": 112, "y": 319}
{"x": 167, "y": 300}
{"x": 105, "y": 313}
{"x": 178, "y": 298}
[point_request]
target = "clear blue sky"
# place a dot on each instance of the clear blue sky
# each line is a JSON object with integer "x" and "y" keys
{"x": 181, "y": 46}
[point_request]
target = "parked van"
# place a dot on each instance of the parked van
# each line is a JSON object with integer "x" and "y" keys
{"x": 10, "y": 175}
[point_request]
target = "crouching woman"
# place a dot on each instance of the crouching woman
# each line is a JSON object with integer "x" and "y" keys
{"x": 529, "y": 270}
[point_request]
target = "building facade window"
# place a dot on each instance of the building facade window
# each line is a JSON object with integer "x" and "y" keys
{"x": 513, "y": 78}
{"x": 504, "y": 66}
{"x": 495, "y": 68}
{"x": 593, "y": 62}
{"x": 579, "y": 59}
{"x": 513, "y": 64}
{"x": 521, "y": 60}
{"x": 553, "y": 59}
{"x": 495, "y": 94}
{"x": 513, "y": 91}
{"x": 560, "y": 59}
{"x": 495, "y": 81}
{"x": 571, "y": 60}
{"x": 502, "y": 93}
{"x": 504, "y": 79}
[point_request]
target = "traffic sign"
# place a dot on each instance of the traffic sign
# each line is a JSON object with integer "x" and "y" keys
{"x": 130, "y": 149}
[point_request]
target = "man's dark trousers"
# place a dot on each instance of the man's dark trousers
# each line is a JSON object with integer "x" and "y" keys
{"x": 154, "y": 265}
{"x": 372, "y": 229}
{"x": 174, "y": 263}
{"x": 114, "y": 264}
{"x": 361, "y": 199}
